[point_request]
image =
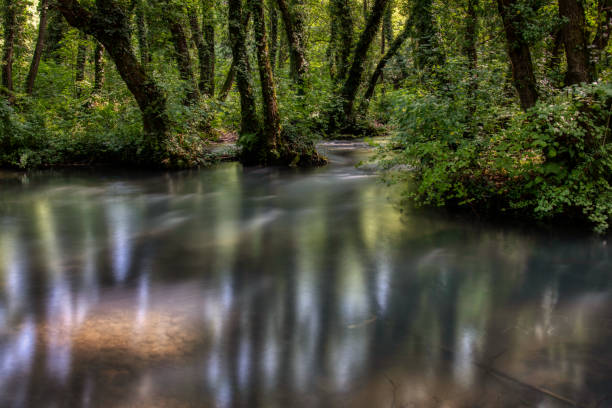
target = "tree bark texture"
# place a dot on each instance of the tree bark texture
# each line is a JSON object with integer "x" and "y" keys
{"x": 204, "y": 40}
{"x": 231, "y": 73}
{"x": 81, "y": 61}
{"x": 273, "y": 41}
{"x": 208, "y": 28}
{"x": 393, "y": 49}
{"x": 181, "y": 53}
{"x": 11, "y": 8}
{"x": 142, "y": 34}
{"x": 98, "y": 67}
{"x": 574, "y": 36}
{"x": 604, "y": 26}
{"x": 38, "y": 49}
{"x": 341, "y": 38}
{"x": 110, "y": 25}
{"x": 387, "y": 28}
{"x": 428, "y": 52}
{"x": 519, "y": 54}
{"x": 293, "y": 21}
{"x": 351, "y": 85}
{"x": 237, "y": 35}
{"x": 271, "y": 128}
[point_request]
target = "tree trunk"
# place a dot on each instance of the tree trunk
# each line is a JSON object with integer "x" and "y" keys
{"x": 555, "y": 54}
{"x": 604, "y": 26}
{"x": 428, "y": 52}
{"x": 183, "y": 59}
{"x": 520, "y": 56}
{"x": 273, "y": 42}
{"x": 81, "y": 60}
{"x": 294, "y": 28}
{"x": 56, "y": 30}
{"x": 574, "y": 36}
{"x": 341, "y": 13}
{"x": 109, "y": 25}
{"x": 271, "y": 128}
{"x": 141, "y": 28}
{"x": 602, "y": 35}
{"x": 198, "y": 40}
{"x": 393, "y": 49}
{"x": 208, "y": 27}
{"x": 387, "y": 29}
{"x": 38, "y": 50}
{"x": 205, "y": 44}
{"x": 98, "y": 68}
{"x": 227, "y": 84}
{"x": 351, "y": 85}
{"x": 10, "y": 37}
{"x": 237, "y": 36}
{"x": 231, "y": 73}
{"x": 471, "y": 52}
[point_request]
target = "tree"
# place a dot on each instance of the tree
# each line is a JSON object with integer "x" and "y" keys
{"x": 38, "y": 50}
{"x": 265, "y": 150}
{"x": 273, "y": 41}
{"x": 353, "y": 81}
{"x": 98, "y": 67}
{"x": 81, "y": 60}
{"x": 174, "y": 19}
{"x": 341, "y": 38}
{"x": 393, "y": 49}
{"x": 574, "y": 37}
{"x": 519, "y": 53}
{"x": 11, "y": 28}
{"x": 293, "y": 21}
{"x": 142, "y": 34}
{"x": 205, "y": 44}
{"x": 428, "y": 52}
{"x": 108, "y": 23}
{"x": 237, "y": 35}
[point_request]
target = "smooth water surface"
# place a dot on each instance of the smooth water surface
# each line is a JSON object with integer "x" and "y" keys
{"x": 234, "y": 287}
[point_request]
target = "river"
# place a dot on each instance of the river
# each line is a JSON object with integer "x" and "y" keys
{"x": 232, "y": 287}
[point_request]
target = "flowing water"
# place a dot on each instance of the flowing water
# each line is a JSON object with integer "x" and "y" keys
{"x": 232, "y": 287}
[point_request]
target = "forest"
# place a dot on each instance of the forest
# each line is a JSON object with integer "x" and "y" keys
{"x": 495, "y": 107}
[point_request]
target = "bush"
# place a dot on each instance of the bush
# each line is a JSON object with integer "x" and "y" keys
{"x": 553, "y": 161}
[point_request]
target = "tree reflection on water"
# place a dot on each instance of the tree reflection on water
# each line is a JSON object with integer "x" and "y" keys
{"x": 232, "y": 287}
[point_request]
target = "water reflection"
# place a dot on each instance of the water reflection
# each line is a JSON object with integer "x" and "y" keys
{"x": 232, "y": 287}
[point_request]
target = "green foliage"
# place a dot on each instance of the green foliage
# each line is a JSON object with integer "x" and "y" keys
{"x": 552, "y": 161}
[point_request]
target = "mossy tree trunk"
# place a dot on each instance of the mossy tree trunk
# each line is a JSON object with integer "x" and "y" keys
{"x": 208, "y": 28}
{"x": 142, "y": 34}
{"x": 575, "y": 39}
{"x": 81, "y": 61}
{"x": 293, "y": 21}
{"x": 273, "y": 40}
{"x": 519, "y": 54}
{"x": 341, "y": 38}
{"x": 204, "y": 39}
{"x": 429, "y": 54}
{"x": 10, "y": 29}
{"x": 98, "y": 68}
{"x": 471, "y": 51}
{"x": 231, "y": 72}
{"x": 386, "y": 34}
{"x": 237, "y": 34}
{"x": 393, "y": 49}
{"x": 266, "y": 149}
{"x": 40, "y": 44}
{"x": 108, "y": 23}
{"x": 175, "y": 21}
{"x": 353, "y": 80}
{"x": 604, "y": 25}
